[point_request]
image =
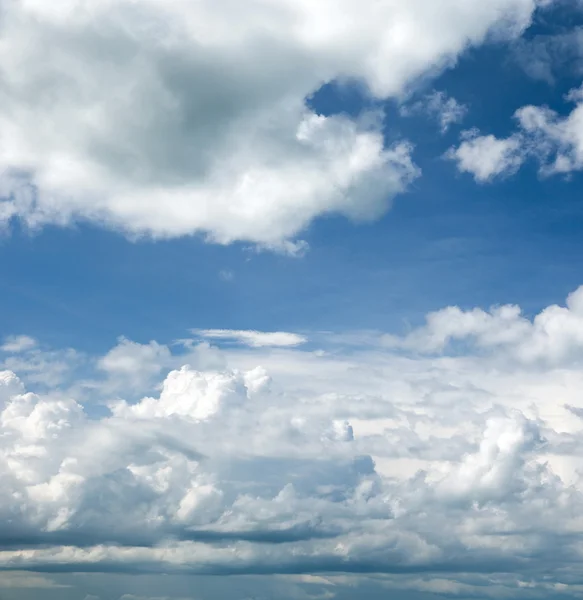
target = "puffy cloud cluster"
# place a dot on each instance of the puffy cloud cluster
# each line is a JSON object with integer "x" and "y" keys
{"x": 325, "y": 463}
{"x": 554, "y": 336}
{"x": 553, "y": 140}
{"x": 174, "y": 118}
{"x": 198, "y": 463}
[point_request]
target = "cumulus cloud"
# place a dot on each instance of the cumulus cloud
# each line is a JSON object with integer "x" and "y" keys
{"x": 553, "y": 336}
{"x": 487, "y": 157}
{"x": 177, "y": 118}
{"x": 255, "y": 339}
{"x": 466, "y": 463}
{"x": 554, "y": 141}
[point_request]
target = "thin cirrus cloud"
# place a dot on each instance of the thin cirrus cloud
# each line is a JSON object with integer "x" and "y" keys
{"x": 162, "y": 119}
{"x": 547, "y": 57}
{"x": 444, "y": 109}
{"x": 316, "y": 464}
{"x": 255, "y": 339}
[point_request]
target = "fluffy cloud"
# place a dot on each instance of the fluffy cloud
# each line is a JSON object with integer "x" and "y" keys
{"x": 554, "y": 336}
{"x": 487, "y": 157}
{"x": 135, "y": 361}
{"x": 554, "y": 141}
{"x": 557, "y": 141}
{"x": 177, "y": 118}
{"x": 464, "y": 464}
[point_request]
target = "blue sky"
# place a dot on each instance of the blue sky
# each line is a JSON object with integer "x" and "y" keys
{"x": 290, "y": 299}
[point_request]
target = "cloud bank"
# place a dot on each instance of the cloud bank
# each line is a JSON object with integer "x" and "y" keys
{"x": 408, "y": 457}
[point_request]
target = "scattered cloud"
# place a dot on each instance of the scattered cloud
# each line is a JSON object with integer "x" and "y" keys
{"x": 556, "y": 141}
{"x": 18, "y": 343}
{"x": 487, "y": 157}
{"x": 225, "y": 146}
{"x": 553, "y": 140}
{"x": 437, "y": 463}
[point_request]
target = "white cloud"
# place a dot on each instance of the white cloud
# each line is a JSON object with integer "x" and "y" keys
{"x": 18, "y": 343}
{"x": 174, "y": 118}
{"x": 553, "y": 336}
{"x": 255, "y": 339}
{"x": 487, "y": 157}
{"x": 133, "y": 360}
{"x": 10, "y": 385}
{"x": 557, "y": 141}
{"x": 554, "y": 141}
{"x": 192, "y": 393}
{"x": 371, "y": 460}
{"x": 41, "y": 365}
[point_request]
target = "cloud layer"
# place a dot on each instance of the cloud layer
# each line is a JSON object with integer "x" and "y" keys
{"x": 179, "y": 118}
{"x": 437, "y": 470}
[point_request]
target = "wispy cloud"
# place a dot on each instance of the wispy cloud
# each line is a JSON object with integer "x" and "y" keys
{"x": 255, "y": 339}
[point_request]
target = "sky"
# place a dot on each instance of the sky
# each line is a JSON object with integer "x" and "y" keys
{"x": 291, "y": 299}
